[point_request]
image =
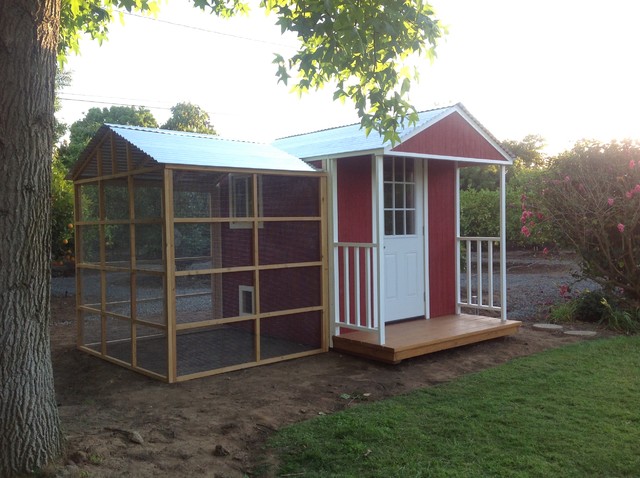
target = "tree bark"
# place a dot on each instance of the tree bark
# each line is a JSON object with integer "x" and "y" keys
{"x": 30, "y": 434}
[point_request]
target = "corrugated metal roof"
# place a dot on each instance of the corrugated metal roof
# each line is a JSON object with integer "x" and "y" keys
{"x": 193, "y": 149}
{"x": 350, "y": 139}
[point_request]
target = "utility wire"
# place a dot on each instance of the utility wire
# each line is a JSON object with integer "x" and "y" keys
{"x": 206, "y": 30}
{"x": 62, "y": 98}
{"x": 134, "y": 102}
{"x": 137, "y": 105}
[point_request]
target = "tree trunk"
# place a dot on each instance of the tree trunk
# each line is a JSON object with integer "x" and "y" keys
{"x": 30, "y": 434}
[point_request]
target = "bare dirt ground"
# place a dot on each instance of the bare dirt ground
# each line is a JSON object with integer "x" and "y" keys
{"x": 119, "y": 423}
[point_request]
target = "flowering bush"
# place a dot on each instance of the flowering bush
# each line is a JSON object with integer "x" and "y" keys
{"x": 591, "y": 196}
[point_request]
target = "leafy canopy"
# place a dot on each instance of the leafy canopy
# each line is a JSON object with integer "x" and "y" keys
{"x": 189, "y": 117}
{"x": 363, "y": 48}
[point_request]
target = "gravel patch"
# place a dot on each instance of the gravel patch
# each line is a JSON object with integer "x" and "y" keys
{"x": 533, "y": 283}
{"x": 63, "y": 286}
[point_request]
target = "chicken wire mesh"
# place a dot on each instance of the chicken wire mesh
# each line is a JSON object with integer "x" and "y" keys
{"x": 244, "y": 245}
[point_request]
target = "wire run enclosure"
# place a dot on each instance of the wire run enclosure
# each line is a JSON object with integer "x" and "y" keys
{"x": 188, "y": 271}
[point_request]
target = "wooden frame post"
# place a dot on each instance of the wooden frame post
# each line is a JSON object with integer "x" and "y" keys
{"x": 324, "y": 270}
{"x": 133, "y": 277}
{"x": 103, "y": 262}
{"x": 170, "y": 276}
{"x": 77, "y": 235}
{"x": 256, "y": 262}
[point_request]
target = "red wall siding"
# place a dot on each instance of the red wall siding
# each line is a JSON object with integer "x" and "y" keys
{"x": 354, "y": 219}
{"x": 442, "y": 237}
{"x": 451, "y": 136}
{"x": 354, "y": 199}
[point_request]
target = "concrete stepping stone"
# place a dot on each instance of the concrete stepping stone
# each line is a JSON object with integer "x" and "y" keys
{"x": 548, "y": 327}
{"x": 581, "y": 333}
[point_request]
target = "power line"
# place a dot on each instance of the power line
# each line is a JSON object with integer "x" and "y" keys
{"x": 135, "y": 104}
{"x": 92, "y": 95}
{"x": 206, "y": 30}
{"x": 113, "y": 103}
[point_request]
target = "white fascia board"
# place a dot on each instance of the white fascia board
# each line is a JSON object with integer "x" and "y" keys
{"x": 349, "y": 154}
{"x": 449, "y": 158}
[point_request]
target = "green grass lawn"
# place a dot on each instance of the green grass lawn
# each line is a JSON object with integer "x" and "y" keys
{"x": 569, "y": 412}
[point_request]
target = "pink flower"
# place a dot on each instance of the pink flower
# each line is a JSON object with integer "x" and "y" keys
{"x": 525, "y": 215}
{"x": 567, "y": 179}
{"x": 632, "y": 164}
{"x": 621, "y": 227}
{"x": 610, "y": 201}
{"x": 629, "y": 194}
{"x": 564, "y": 290}
{"x": 637, "y": 189}
{"x": 540, "y": 216}
{"x": 545, "y": 251}
{"x": 525, "y": 231}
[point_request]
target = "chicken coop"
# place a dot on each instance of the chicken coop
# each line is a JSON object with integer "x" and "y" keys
{"x": 197, "y": 255}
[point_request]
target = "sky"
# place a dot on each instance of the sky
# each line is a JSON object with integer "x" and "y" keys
{"x": 562, "y": 69}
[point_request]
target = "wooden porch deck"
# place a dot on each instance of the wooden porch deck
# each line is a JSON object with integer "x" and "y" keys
{"x": 417, "y": 337}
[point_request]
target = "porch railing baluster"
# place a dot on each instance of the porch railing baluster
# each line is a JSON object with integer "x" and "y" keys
{"x": 474, "y": 280}
{"x": 361, "y": 287}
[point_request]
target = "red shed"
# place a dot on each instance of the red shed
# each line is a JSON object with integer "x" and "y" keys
{"x": 396, "y": 251}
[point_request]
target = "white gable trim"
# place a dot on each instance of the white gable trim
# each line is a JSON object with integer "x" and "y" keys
{"x": 460, "y": 159}
{"x": 349, "y": 154}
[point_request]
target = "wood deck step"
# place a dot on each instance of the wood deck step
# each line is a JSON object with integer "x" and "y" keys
{"x": 420, "y": 337}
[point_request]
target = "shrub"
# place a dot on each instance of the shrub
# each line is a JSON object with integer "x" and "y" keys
{"x": 61, "y": 213}
{"x": 627, "y": 321}
{"x": 480, "y": 213}
{"x": 563, "y": 312}
{"x": 589, "y": 306}
{"x": 591, "y": 196}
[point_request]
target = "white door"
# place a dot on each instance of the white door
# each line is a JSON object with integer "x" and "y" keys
{"x": 403, "y": 239}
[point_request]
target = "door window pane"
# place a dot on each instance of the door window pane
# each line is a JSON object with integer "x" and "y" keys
{"x": 399, "y": 169}
{"x": 410, "y": 222}
{"x": 388, "y": 223}
{"x": 399, "y": 196}
{"x": 388, "y": 195}
{"x": 399, "y": 223}
{"x": 410, "y": 196}
{"x": 399, "y": 193}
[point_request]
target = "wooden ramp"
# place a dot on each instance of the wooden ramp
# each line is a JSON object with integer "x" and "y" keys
{"x": 417, "y": 337}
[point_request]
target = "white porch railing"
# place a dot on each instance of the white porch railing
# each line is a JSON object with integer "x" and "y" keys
{"x": 476, "y": 287}
{"x": 355, "y": 286}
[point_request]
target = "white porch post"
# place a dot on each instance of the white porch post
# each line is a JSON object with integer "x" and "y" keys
{"x": 503, "y": 243}
{"x": 334, "y": 270}
{"x": 377, "y": 209}
{"x": 457, "y": 213}
{"x": 425, "y": 233}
